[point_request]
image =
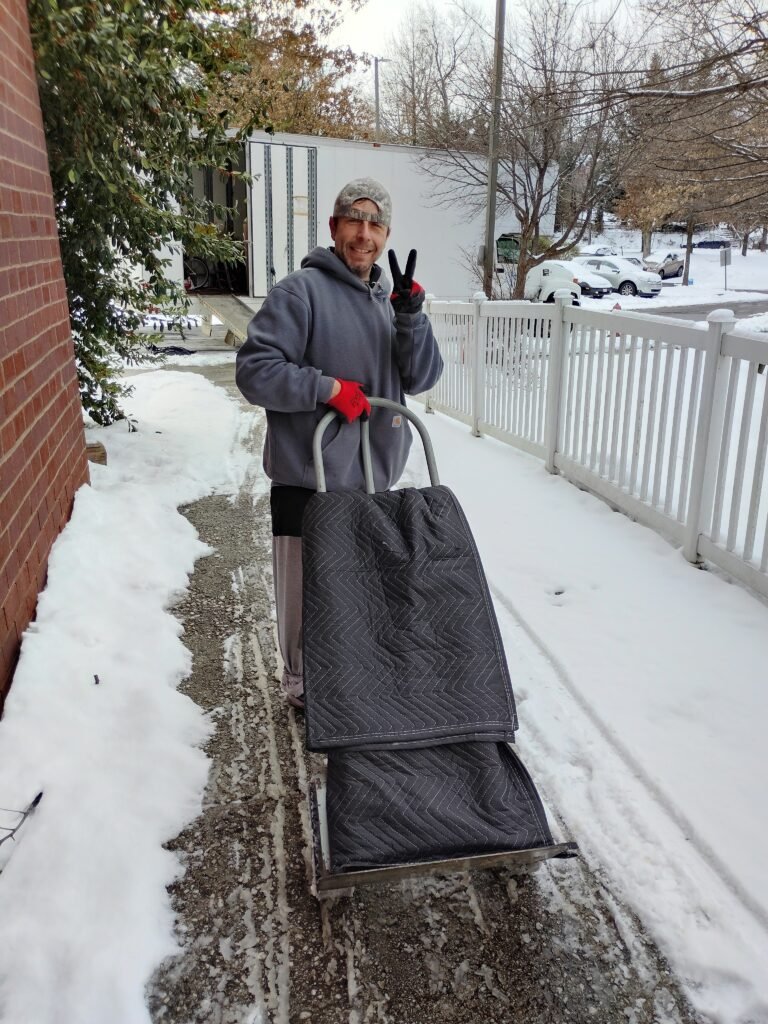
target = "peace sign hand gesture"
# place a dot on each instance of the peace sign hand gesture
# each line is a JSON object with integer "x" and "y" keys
{"x": 407, "y": 295}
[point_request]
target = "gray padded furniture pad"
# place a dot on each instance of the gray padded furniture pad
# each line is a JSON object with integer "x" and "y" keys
{"x": 404, "y": 806}
{"x": 401, "y": 642}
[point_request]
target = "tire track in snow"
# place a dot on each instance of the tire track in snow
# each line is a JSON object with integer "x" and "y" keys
{"x": 623, "y": 801}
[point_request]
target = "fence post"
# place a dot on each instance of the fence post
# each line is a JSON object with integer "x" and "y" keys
{"x": 555, "y": 378}
{"x": 478, "y": 365}
{"x": 428, "y": 300}
{"x": 708, "y": 431}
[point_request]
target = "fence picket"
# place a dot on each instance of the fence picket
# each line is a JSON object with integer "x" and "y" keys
{"x": 570, "y": 346}
{"x": 618, "y": 386}
{"x": 669, "y": 360}
{"x": 723, "y": 459}
{"x": 627, "y": 408}
{"x": 610, "y": 354}
{"x": 690, "y": 434}
{"x": 741, "y": 457}
{"x": 639, "y": 416}
{"x": 650, "y": 431}
{"x": 542, "y": 374}
{"x": 675, "y": 437}
{"x": 757, "y": 481}
{"x": 583, "y": 350}
{"x": 598, "y": 393}
{"x": 587, "y": 397}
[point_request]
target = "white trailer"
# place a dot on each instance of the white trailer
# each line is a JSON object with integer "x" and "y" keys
{"x": 296, "y": 179}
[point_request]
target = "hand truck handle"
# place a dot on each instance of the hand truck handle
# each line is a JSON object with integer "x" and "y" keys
{"x": 365, "y": 441}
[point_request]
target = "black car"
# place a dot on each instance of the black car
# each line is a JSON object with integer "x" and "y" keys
{"x": 713, "y": 243}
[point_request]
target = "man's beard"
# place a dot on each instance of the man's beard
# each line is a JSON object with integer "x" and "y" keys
{"x": 363, "y": 274}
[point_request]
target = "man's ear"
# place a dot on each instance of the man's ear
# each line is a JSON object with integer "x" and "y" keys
{"x": 332, "y": 226}
{"x": 389, "y": 232}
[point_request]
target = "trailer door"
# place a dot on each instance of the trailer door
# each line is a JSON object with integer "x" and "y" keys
{"x": 282, "y": 210}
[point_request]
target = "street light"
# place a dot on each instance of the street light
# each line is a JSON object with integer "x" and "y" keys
{"x": 376, "y": 62}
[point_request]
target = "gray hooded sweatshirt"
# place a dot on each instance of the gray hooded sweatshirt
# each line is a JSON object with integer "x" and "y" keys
{"x": 322, "y": 323}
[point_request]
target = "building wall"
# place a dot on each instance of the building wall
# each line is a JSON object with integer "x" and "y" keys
{"x": 42, "y": 444}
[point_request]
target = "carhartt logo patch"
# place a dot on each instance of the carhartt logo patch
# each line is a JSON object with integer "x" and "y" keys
{"x": 397, "y": 421}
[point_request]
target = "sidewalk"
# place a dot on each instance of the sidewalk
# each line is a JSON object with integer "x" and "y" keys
{"x": 486, "y": 948}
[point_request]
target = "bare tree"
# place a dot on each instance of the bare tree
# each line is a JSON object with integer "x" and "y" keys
{"x": 424, "y": 83}
{"x": 706, "y": 86}
{"x": 717, "y": 49}
{"x": 550, "y": 145}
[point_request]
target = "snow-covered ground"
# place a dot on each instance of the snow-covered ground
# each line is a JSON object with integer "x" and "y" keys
{"x": 640, "y": 683}
{"x": 747, "y": 279}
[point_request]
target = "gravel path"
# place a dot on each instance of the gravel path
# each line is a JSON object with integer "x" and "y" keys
{"x": 484, "y": 948}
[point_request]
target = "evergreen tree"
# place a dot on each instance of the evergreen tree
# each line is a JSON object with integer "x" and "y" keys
{"x": 124, "y": 89}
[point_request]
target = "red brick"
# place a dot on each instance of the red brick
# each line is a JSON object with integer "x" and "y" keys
{"x": 41, "y": 436}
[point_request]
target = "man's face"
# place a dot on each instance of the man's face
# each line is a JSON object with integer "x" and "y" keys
{"x": 359, "y": 243}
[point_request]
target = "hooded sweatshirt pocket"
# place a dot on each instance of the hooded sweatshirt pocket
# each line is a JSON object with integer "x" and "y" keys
{"x": 341, "y": 456}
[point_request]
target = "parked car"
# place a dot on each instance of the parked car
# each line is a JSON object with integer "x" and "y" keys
{"x": 665, "y": 263}
{"x": 625, "y": 277}
{"x": 592, "y": 284}
{"x": 599, "y": 250}
{"x": 713, "y": 243}
{"x": 542, "y": 281}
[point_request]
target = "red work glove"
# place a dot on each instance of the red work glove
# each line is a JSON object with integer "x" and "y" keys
{"x": 350, "y": 401}
{"x": 407, "y": 295}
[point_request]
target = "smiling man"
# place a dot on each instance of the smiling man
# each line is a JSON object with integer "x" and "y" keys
{"x": 327, "y": 335}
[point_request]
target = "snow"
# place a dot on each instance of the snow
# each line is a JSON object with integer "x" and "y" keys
{"x": 747, "y": 280}
{"x": 193, "y": 359}
{"x": 640, "y": 684}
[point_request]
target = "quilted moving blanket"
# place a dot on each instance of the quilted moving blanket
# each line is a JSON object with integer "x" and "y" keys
{"x": 390, "y": 807}
{"x": 401, "y": 642}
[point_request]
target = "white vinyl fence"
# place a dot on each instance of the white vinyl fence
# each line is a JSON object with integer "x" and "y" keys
{"x": 666, "y": 421}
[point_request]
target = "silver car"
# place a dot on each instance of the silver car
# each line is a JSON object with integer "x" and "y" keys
{"x": 665, "y": 263}
{"x": 626, "y": 278}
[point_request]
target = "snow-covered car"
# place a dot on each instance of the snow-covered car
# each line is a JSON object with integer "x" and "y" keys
{"x": 665, "y": 263}
{"x": 542, "y": 281}
{"x": 625, "y": 277}
{"x": 592, "y": 284}
{"x": 599, "y": 250}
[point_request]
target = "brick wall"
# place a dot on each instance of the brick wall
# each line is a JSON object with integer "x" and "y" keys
{"x": 42, "y": 445}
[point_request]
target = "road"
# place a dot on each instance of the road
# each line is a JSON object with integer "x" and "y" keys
{"x": 490, "y": 947}
{"x": 699, "y": 312}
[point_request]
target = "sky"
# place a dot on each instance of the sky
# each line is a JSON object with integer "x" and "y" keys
{"x": 371, "y": 29}
{"x": 640, "y": 686}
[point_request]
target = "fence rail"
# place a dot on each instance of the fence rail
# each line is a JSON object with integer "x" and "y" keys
{"x": 665, "y": 420}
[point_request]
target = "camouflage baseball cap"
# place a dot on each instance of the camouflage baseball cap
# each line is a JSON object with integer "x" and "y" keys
{"x": 364, "y": 188}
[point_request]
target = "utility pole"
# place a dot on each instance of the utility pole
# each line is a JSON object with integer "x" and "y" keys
{"x": 489, "y": 265}
{"x": 376, "y": 62}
